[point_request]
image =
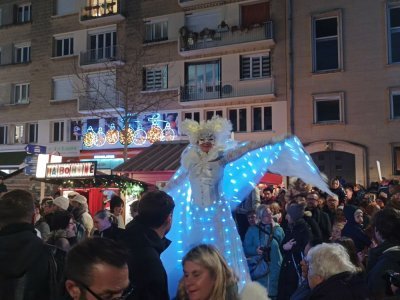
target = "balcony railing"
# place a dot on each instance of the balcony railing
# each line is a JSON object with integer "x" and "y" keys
{"x": 190, "y": 41}
{"x": 105, "y": 9}
{"x": 100, "y": 55}
{"x": 223, "y": 90}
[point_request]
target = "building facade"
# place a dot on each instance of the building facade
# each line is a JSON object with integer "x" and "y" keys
{"x": 323, "y": 70}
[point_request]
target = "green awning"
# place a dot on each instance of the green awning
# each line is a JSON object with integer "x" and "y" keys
{"x": 12, "y": 158}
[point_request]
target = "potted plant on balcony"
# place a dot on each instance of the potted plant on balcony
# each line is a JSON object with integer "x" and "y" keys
{"x": 223, "y": 26}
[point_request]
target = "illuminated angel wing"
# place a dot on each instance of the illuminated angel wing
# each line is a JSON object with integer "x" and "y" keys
{"x": 286, "y": 157}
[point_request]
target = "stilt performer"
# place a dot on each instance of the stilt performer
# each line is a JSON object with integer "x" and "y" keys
{"x": 216, "y": 172}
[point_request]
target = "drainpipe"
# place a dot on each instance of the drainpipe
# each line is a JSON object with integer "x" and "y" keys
{"x": 291, "y": 65}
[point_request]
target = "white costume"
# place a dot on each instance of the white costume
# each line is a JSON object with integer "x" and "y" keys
{"x": 206, "y": 184}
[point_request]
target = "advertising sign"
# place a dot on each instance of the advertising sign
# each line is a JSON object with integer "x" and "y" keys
{"x": 71, "y": 170}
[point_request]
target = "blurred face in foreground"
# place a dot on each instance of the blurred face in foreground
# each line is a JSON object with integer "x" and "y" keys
{"x": 198, "y": 281}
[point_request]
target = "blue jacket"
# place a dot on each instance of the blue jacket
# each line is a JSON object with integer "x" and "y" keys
{"x": 255, "y": 238}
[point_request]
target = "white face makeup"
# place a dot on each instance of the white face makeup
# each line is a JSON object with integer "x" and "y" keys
{"x": 206, "y": 138}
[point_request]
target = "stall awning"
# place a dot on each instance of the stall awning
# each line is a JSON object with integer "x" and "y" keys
{"x": 12, "y": 158}
{"x": 161, "y": 156}
{"x": 270, "y": 178}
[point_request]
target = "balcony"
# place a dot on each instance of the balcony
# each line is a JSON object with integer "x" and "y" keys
{"x": 227, "y": 90}
{"x": 214, "y": 41}
{"x": 88, "y": 104}
{"x": 101, "y": 57}
{"x": 103, "y": 13}
{"x": 188, "y": 3}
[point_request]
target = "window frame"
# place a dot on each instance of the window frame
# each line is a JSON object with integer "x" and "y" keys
{"x": 19, "y": 134}
{"x": 236, "y": 125}
{"x": 262, "y": 125}
{"x": 29, "y": 18}
{"x": 390, "y": 31}
{"x": 339, "y": 36}
{"x": 4, "y": 129}
{"x": 195, "y": 115}
{"x": 151, "y": 26}
{"x": 394, "y": 92}
{"x": 260, "y": 56}
{"x": 329, "y": 97}
{"x": 63, "y": 40}
{"x": 32, "y": 130}
{"x": 59, "y": 132}
{"x": 215, "y": 112}
{"x": 20, "y": 86}
{"x": 163, "y": 78}
{"x": 19, "y": 58}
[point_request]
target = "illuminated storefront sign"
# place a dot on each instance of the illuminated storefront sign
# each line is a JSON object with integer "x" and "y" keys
{"x": 66, "y": 170}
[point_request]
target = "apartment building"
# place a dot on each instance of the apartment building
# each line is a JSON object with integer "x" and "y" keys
{"x": 324, "y": 70}
{"x": 345, "y": 104}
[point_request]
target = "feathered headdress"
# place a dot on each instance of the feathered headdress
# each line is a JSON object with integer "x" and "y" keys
{"x": 219, "y": 127}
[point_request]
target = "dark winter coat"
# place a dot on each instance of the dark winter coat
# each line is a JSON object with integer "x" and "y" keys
{"x": 112, "y": 233}
{"x": 341, "y": 286}
{"x": 28, "y": 268}
{"x": 323, "y": 221}
{"x": 290, "y": 273}
{"x": 354, "y": 230}
{"x": 146, "y": 271}
{"x": 378, "y": 283}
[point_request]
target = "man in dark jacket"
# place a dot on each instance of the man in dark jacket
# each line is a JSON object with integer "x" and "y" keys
{"x": 145, "y": 239}
{"x": 319, "y": 216}
{"x": 27, "y": 266}
{"x": 386, "y": 256}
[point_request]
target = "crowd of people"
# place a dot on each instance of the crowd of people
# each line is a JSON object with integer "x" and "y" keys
{"x": 312, "y": 246}
{"x": 283, "y": 225}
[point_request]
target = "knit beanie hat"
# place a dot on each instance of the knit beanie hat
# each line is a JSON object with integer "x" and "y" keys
{"x": 80, "y": 199}
{"x": 295, "y": 211}
{"x": 61, "y": 202}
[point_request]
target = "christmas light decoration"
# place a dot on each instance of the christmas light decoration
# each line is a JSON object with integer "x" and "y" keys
{"x": 112, "y": 135}
{"x": 168, "y": 133}
{"x": 154, "y": 134}
{"x": 89, "y": 139}
{"x": 126, "y": 136}
{"x": 100, "y": 138}
{"x": 140, "y": 136}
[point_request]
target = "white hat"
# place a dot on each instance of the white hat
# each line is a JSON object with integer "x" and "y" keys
{"x": 72, "y": 194}
{"x": 80, "y": 199}
{"x": 61, "y": 202}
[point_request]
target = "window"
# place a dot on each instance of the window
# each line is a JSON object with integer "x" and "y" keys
{"x": 238, "y": 118}
{"x": 64, "y": 46}
{"x": 21, "y": 93}
{"x": 33, "y": 133}
{"x": 255, "y": 66}
{"x": 329, "y": 109}
{"x": 254, "y": 14}
{"x": 262, "y": 118}
{"x": 156, "y": 78}
{"x": 3, "y": 134}
{"x": 58, "y": 131}
{"x": 394, "y": 34}
{"x": 195, "y": 116}
{"x": 326, "y": 44}
{"x": 155, "y": 32}
{"x": 94, "y": 123}
{"x": 24, "y": 13}
{"x": 212, "y": 113}
{"x": 103, "y": 46}
{"x": 396, "y": 160}
{"x": 19, "y": 134}
{"x": 22, "y": 54}
{"x": 203, "y": 80}
{"x": 395, "y": 104}
{"x": 63, "y": 89}
{"x": 75, "y": 131}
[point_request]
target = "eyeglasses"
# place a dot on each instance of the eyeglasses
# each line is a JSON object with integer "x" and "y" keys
{"x": 126, "y": 293}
